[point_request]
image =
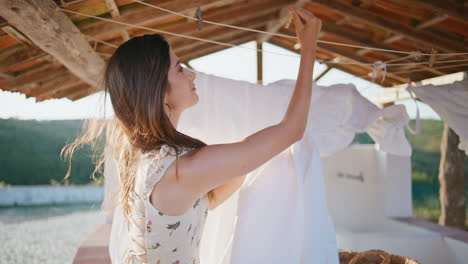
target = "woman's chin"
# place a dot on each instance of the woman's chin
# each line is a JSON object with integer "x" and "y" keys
{"x": 196, "y": 100}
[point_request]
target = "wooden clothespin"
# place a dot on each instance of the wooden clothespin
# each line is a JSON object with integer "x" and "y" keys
{"x": 288, "y": 23}
{"x": 200, "y": 19}
{"x": 432, "y": 58}
{"x": 331, "y": 59}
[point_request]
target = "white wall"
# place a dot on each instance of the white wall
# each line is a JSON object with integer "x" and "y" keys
{"x": 365, "y": 189}
{"x": 37, "y": 195}
{"x": 366, "y": 186}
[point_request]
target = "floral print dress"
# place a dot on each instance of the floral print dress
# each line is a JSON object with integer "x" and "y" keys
{"x": 170, "y": 239}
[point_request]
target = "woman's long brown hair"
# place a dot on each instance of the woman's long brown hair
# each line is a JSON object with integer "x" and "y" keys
{"x": 136, "y": 79}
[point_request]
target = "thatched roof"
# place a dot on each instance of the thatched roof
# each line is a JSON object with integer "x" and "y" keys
{"x": 49, "y": 53}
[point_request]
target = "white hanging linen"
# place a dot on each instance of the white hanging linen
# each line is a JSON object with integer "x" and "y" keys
{"x": 339, "y": 111}
{"x": 280, "y": 215}
{"x": 450, "y": 101}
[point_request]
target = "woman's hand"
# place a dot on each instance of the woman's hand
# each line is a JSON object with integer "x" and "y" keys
{"x": 307, "y": 27}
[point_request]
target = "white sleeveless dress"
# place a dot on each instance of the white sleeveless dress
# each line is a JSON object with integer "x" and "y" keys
{"x": 164, "y": 239}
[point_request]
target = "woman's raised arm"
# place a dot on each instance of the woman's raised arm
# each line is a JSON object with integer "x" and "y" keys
{"x": 213, "y": 165}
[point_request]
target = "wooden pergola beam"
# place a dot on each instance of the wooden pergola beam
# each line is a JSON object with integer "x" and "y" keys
{"x": 354, "y": 58}
{"x": 367, "y": 3}
{"x": 208, "y": 48}
{"x": 452, "y": 9}
{"x": 198, "y": 51}
{"x": 348, "y": 35}
{"x": 16, "y": 34}
{"x": 68, "y": 89}
{"x": 30, "y": 78}
{"x": 81, "y": 93}
{"x": 114, "y": 10}
{"x": 78, "y": 88}
{"x": 144, "y": 15}
{"x": 423, "y": 37}
{"x": 350, "y": 56}
{"x": 355, "y": 70}
{"x": 19, "y": 56}
{"x": 422, "y": 25}
{"x": 53, "y": 93}
{"x": 183, "y": 46}
{"x": 58, "y": 83}
{"x": 52, "y": 31}
{"x": 5, "y": 75}
{"x": 432, "y": 21}
{"x": 229, "y": 15}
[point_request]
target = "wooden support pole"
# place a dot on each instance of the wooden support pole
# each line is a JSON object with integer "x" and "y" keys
{"x": 452, "y": 181}
{"x": 259, "y": 63}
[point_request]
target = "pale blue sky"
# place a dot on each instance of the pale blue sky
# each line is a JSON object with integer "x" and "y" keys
{"x": 234, "y": 63}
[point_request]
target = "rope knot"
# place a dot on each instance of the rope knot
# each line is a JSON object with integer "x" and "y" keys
{"x": 376, "y": 68}
{"x": 415, "y": 55}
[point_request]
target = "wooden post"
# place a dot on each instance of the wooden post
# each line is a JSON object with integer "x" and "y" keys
{"x": 452, "y": 181}
{"x": 259, "y": 63}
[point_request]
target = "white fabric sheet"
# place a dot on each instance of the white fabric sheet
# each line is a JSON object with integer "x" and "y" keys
{"x": 450, "y": 101}
{"x": 280, "y": 215}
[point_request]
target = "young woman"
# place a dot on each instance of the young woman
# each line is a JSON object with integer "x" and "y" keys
{"x": 169, "y": 180}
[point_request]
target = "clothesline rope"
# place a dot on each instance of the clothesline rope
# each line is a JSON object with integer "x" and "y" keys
{"x": 407, "y": 71}
{"x": 170, "y": 33}
{"x": 232, "y": 45}
{"x": 398, "y": 64}
{"x": 294, "y": 37}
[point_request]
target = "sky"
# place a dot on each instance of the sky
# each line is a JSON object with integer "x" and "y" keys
{"x": 237, "y": 63}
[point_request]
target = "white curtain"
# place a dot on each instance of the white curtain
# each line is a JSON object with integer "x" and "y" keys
{"x": 450, "y": 101}
{"x": 280, "y": 214}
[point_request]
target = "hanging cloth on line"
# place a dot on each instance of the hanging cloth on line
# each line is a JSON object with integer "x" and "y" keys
{"x": 280, "y": 214}
{"x": 450, "y": 102}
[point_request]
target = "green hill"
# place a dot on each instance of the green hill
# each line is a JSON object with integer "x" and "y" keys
{"x": 30, "y": 149}
{"x": 29, "y": 155}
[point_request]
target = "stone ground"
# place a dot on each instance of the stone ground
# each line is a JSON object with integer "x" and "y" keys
{"x": 51, "y": 239}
